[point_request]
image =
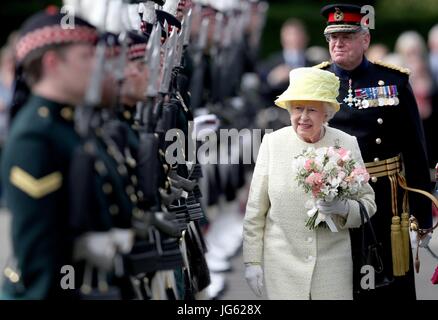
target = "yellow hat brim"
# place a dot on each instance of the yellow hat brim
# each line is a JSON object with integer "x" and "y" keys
{"x": 283, "y": 103}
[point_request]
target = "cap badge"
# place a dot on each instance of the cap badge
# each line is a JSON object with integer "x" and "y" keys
{"x": 339, "y": 15}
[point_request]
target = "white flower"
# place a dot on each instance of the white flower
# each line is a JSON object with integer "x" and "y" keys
{"x": 298, "y": 164}
{"x": 332, "y": 166}
{"x": 309, "y": 152}
{"x": 343, "y": 185}
{"x": 329, "y": 192}
{"x": 334, "y": 182}
{"x": 321, "y": 152}
{"x": 341, "y": 174}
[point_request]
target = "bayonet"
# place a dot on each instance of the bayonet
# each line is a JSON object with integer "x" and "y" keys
{"x": 119, "y": 71}
{"x": 154, "y": 53}
{"x": 187, "y": 27}
{"x": 168, "y": 63}
{"x": 179, "y": 48}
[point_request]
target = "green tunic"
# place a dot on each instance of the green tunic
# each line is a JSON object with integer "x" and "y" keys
{"x": 34, "y": 168}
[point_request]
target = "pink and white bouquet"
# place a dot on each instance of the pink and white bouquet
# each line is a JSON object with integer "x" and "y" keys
{"x": 328, "y": 173}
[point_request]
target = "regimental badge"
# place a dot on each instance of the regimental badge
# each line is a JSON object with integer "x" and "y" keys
{"x": 339, "y": 15}
{"x": 374, "y": 96}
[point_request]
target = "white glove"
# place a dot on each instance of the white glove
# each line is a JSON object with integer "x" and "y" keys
{"x": 123, "y": 239}
{"x": 340, "y": 207}
{"x": 97, "y": 248}
{"x": 254, "y": 277}
{"x": 205, "y": 125}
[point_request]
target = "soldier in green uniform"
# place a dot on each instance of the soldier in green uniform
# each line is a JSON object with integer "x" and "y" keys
{"x": 56, "y": 63}
{"x": 379, "y": 108}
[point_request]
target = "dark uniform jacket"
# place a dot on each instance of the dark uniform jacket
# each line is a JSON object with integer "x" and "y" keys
{"x": 384, "y": 132}
{"x": 34, "y": 168}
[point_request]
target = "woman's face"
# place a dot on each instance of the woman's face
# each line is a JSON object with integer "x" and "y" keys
{"x": 307, "y": 119}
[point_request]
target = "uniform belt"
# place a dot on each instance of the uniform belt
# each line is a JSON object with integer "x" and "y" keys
{"x": 382, "y": 168}
{"x": 391, "y": 168}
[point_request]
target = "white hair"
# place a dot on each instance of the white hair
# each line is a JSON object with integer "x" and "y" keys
{"x": 365, "y": 31}
{"x": 329, "y": 111}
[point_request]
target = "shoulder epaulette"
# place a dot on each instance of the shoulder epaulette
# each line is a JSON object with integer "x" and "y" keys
{"x": 322, "y": 65}
{"x": 392, "y": 66}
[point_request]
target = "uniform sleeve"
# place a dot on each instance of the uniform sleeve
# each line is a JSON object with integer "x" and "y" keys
{"x": 31, "y": 182}
{"x": 414, "y": 157}
{"x": 257, "y": 207}
{"x": 365, "y": 196}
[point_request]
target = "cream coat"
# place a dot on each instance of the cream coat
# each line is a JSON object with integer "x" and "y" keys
{"x": 298, "y": 263}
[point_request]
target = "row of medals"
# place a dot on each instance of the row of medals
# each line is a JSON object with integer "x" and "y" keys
{"x": 361, "y": 103}
{"x": 379, "y": 102}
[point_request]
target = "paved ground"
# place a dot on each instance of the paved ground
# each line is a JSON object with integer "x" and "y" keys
{"x": 425, "y": 289}
{"x": 237, "y": 288}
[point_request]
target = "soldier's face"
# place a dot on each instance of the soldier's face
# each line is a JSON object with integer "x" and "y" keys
{"x": 307, "y": 119}
{"x": 347, "y": 49}
{"x": 74, "y": 71}
{"x": 135, "y": 83}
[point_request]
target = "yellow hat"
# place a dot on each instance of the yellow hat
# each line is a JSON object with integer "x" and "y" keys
{"x": 311, "y": 84}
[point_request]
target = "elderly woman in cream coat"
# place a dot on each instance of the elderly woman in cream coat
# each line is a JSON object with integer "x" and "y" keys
{"x": 293, "y": 261}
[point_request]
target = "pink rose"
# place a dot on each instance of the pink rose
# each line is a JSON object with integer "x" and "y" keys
{"x": 308, "y": 164}
{"x": 331, "y": 151}
{"x": 316, "y": 191}
{"x": 344, "y": 154}
{"x": 315, "y": 179}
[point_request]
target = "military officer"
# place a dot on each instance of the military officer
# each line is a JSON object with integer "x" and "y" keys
{"x": 56, "y": 63}
{"x": 379, "y": 108}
